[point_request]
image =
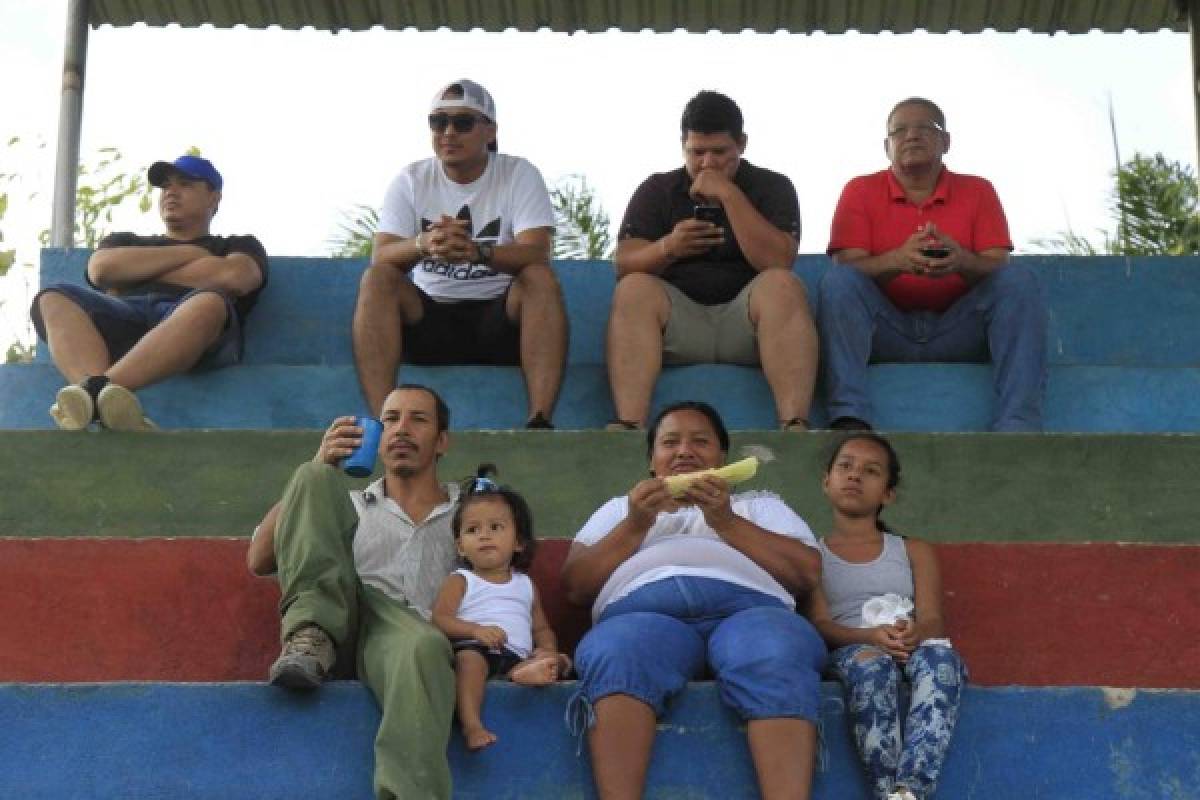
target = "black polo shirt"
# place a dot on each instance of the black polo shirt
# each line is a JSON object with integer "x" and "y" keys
{"x": 717, "y": 276}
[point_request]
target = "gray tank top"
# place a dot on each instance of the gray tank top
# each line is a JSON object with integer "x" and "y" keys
{"x": 848, "y": 585}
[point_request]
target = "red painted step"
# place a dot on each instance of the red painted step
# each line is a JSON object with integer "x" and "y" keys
{"x": 187, "y": 610}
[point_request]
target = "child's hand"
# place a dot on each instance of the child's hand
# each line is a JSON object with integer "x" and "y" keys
{"x": 908, "y": 634}
{"x": 491, "y": 635}
{"x": 888, "y": 638}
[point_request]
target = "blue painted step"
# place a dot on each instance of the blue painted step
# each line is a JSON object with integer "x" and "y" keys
{"x": 909, "y": 397}
{"x": 232, "y": 741}
{"x": 1123, "y": 347}
{"x": 1103, "y": 310}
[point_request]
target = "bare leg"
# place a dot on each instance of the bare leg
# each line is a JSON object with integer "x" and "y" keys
{"x": 387, "y": 300}
{"x": 76, "y": 346}
{"x": 787, "y": 340}
{"x": 174, "y": 345}
{"x": 541, "y": 671}
{"x": 620, "y": 746}
{"x": 535, "y": 303}
{"x": 470, "y": 672}
{"x": 640, "y": 310}
{"x": 783, "y": 750}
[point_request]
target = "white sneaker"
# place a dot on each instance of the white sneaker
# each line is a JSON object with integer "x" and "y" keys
{"x": 121, "y": 411}
{"x": 902, "y": 794}
{"x": 73, "y": 409}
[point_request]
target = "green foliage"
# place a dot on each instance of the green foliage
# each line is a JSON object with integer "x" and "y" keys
{"x": 1156, "y": 208}
{"x": 580, "y": 222}
{"x": 103, "y": 188}
{"x": 356, "y": 233}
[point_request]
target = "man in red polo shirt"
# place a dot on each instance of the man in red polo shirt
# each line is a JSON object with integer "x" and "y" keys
{"x": 921, "y": 273}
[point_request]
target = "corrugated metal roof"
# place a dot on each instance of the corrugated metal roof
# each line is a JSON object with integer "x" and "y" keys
{"x": 728, "y": 16}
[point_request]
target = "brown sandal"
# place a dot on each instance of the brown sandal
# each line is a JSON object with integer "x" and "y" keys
{"x": 622, "y": 425}
{"x": 794, "y": 425}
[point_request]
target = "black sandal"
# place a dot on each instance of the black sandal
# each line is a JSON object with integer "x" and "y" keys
{"x": 622, "y": 425}
{"x": 794, "y": 425}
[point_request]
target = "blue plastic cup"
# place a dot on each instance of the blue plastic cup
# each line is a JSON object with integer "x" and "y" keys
{"x": 361, "y": 462}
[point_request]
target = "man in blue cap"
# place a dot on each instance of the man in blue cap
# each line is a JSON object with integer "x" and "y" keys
{"x": 155, "y": 306}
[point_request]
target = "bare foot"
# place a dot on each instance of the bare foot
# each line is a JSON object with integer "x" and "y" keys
{"x": 478, "y": 737}
{"x": 536, "y": 672}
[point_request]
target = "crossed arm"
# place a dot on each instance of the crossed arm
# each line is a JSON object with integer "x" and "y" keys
{"x": 179, "y": 264}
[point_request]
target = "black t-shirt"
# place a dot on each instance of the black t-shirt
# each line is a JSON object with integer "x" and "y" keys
{"x": 217, "y": 245}
{"x": 717, "y": 276}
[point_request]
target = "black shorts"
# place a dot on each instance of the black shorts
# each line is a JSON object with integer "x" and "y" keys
{"x": 466, "y": 332}
{"x": 500, "y": 662}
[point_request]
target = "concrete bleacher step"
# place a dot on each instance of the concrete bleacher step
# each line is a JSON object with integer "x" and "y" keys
{"x": 187, "y": 610}
{"x": 955, "y": 487}
{"x": 234, "y": 741}
{"x": 919, "y": 397}
{"x": 1133, "y": 371}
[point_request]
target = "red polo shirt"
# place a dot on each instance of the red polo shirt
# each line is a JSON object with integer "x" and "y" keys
{"x": 874, "y": 215}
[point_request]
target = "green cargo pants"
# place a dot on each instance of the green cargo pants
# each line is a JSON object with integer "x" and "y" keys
{"x": 405, "y": 661}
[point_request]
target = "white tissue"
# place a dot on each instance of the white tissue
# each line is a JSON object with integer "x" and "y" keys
{"x": 886, "y": 609}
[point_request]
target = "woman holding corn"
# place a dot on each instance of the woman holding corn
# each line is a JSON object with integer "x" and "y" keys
{"x": 686, "y": 579}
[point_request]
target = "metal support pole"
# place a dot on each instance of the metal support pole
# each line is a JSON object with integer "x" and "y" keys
{"x": 70, "y": 123}
{"x": 1193, "y": 12}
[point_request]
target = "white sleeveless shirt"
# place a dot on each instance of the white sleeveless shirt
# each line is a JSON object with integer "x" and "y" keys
{"x": 506, "y": 605}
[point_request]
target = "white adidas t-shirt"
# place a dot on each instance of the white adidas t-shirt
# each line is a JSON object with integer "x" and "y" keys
{"x": 508, "y": 198}
{"x": 681, "y": 543}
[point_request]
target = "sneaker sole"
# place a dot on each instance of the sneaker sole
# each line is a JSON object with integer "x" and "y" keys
{"x": 291, "y": 676}
{"x": 121, "y": 411}
{"x": 72, "y": 410}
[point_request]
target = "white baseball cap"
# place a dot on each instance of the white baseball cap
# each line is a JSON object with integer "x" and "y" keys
{"x": 470, "y": 95}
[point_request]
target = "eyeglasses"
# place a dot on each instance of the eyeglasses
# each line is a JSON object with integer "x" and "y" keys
{"x": 462, "y": 123}
{"x": 919, "y": 128}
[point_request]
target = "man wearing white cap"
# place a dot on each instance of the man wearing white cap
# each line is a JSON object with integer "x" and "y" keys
{"x": 158, "y": 305}
{"x": 460, "y": 272}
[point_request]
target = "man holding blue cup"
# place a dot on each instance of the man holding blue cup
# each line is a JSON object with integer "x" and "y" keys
{"x": 358, "y": 572}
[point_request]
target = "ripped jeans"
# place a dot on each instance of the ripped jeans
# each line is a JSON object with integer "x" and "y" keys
{"x": 872, "y": 682}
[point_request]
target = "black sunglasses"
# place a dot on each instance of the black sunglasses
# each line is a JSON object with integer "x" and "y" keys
{"x": 462, "y": 123}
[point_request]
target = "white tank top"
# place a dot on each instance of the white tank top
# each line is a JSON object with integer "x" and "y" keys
{"x": 505, "y": 605}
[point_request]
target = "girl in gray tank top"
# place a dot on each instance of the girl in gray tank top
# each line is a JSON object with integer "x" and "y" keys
{"x": 878, "y": 607}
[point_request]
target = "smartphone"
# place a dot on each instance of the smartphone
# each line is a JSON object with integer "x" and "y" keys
{"x": 935, "y": 252}
{"x": 712, "y": 214}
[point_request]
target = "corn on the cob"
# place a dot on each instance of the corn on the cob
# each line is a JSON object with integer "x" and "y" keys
{"x": 733, "y": 473}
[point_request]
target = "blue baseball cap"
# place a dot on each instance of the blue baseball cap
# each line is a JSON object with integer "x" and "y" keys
{"x": 192, "y": 166}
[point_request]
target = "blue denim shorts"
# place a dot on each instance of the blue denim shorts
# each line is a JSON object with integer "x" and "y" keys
{"x": 122, "y": 321}
{"x": 766, "y": 659}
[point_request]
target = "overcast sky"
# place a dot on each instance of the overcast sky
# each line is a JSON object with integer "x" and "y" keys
{"x": 306, "y": 124}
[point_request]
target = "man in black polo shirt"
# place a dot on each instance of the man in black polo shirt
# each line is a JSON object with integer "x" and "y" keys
{"x": 704, "y": 272}
{"x": 160, "y": 305}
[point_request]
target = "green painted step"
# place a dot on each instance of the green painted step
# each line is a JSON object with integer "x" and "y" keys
{"x": 955, "y": 487}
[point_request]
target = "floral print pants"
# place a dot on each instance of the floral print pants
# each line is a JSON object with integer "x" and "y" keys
{"x": 872, "y": 681}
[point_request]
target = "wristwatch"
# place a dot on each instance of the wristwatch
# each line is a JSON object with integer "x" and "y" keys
{"x": 487, "y": 251}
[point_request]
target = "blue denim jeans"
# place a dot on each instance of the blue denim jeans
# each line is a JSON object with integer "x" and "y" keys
{"x": 1003, "y": 316}
{"x": 765, "y": 658}
{"x": 872, "y": 682}
{"x": 123, "y": 321}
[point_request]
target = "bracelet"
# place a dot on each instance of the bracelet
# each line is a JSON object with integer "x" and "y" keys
{"x": 421, "y": 251}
